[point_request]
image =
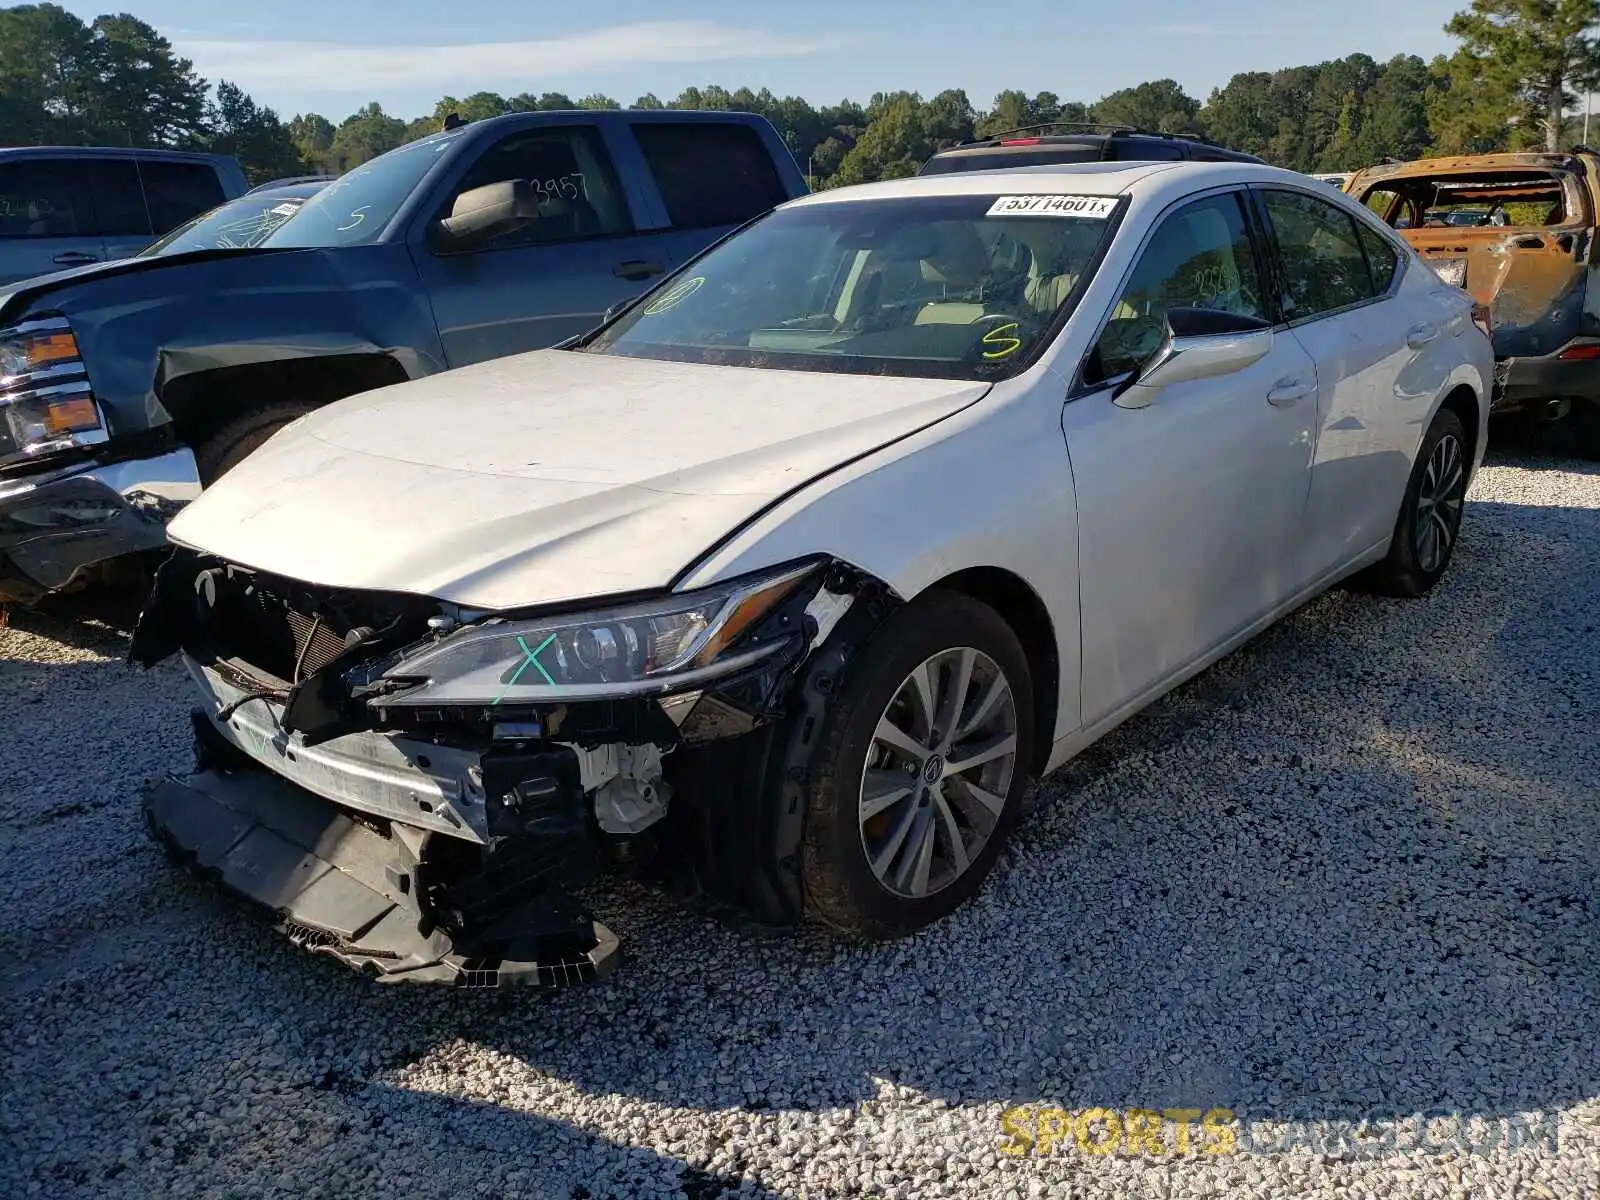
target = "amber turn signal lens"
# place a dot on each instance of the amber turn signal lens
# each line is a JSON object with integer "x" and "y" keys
{"x": 71, "y": 416}
{"x": 51, "y": 348}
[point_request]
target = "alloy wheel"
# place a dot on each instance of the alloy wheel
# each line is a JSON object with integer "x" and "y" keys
{"x": 1439, "y": 503}
{"x": 938, "y": 772}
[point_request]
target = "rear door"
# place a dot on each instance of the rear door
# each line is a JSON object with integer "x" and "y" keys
{"x": 711, "y": 177}
{"x": 1341, "y": 294}
{"x": 556, "y": 276}
{"x": 47, "y": 214}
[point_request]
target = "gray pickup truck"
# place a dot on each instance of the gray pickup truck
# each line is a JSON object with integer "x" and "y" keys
{"x": 127, "y": 386}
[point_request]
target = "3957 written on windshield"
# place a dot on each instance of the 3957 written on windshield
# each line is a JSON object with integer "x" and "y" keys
{"x": 1179, "y": 1132}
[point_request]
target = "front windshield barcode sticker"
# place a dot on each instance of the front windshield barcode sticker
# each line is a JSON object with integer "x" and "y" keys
{"x": 1094, "y": 208}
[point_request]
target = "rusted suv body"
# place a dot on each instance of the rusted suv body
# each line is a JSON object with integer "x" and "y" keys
{"x": 1517, "y": 231}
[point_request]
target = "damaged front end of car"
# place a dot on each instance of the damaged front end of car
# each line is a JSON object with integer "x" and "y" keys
{"x": 415, "y": 788}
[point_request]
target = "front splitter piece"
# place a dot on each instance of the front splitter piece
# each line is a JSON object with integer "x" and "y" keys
{"x": 340, "y": 888}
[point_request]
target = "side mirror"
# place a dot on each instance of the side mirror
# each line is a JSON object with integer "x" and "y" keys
{"x": 487, "y": 212}
{"x": 1200, "y": 343}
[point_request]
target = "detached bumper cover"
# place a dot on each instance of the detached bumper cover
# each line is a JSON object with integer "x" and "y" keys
{"x": 55, "y": 525}
{"x": 343, "y": 889}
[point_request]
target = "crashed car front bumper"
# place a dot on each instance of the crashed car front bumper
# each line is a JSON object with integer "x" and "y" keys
{"x": 56, "y": 525}
{"x": 438, "y": 843}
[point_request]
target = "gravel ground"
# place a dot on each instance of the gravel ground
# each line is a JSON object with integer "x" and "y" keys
{"x": 1348, "y": 875}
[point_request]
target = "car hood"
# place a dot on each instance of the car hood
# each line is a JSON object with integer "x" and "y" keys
{"x": 548, "y": 477}
{"x": 20, "y": 294}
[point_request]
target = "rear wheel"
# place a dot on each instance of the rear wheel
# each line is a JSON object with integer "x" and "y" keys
{"x": 226, "y": 447}
{"x": 920, "y": 770}
{"x": 1429, "y": 524}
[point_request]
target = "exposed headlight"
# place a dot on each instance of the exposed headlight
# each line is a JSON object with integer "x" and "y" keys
{"x": 45, "y": 401}
{"x": 643, "y": 649}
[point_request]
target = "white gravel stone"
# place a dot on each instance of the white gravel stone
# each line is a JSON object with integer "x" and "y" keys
{"x": 1347, "y": 874}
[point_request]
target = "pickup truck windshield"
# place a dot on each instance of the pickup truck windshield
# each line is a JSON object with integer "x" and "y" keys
{"x": 959, "y": 287}
{"x": 354, "y": 209}
{"x": 236, "y": 225}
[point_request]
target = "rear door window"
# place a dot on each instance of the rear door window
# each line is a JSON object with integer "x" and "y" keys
{"x": 178, "y": 192}
{"x": 119, "y": 209}
{"x": 1381, "y": 257}
{"x": 45, "y": 198}
{"x": 710, "y": 175}
{"x": 1324, "y": 266}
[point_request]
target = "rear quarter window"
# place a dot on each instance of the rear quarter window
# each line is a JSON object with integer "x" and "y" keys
{"x": 710, "y": 175}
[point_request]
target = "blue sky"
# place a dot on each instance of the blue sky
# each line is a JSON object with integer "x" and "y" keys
{"x": 333, "y": 56}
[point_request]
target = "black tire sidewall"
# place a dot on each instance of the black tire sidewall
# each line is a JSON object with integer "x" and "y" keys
{"x": 841, "y": 889}
{"x": 239, "y": 438}
{"x": 1400, "y": 574}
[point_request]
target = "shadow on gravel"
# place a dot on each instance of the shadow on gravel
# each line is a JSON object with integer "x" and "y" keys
{"x": 1350, "y": 872}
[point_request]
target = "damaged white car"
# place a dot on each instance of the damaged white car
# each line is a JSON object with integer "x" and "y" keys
{"x": 797, "y": 571}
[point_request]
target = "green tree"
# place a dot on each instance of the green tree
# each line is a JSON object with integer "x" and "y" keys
{"x": 48, "y": 78}
{"x": 1533, "y": 54}
{"x": 479, "y": 106}
{"x": 252, "y": 134}
{"x": 1241, "y": 115}
{"x": 648, "y": 101}
{"x": 1394, "y": 120}
{"x": 312, "y": 135}
{"x": 144, "y": 94}
{"x": 1160, "y": 106}
{"x": 365, "y": 135}
{"x": 598, "y": 100}
{"x": 894, "y": 144}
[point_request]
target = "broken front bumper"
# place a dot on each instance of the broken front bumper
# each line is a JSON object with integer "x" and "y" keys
{"x": 355, "y": 892}
{"x": 375, "y": 895}
{"x": 54, "y": 526}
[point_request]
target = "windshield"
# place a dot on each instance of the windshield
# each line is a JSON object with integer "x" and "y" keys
{"x": 354, "y": 209}
{"x": 960, "y": 287}
{"x": 236, "y": 225}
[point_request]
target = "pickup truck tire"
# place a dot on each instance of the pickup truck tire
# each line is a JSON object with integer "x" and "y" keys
{"x": 224, "y": 448}
{"x": 1586, "y": 428}
{"x": 1429, "y": 524}
{"x": 943, "y": 681}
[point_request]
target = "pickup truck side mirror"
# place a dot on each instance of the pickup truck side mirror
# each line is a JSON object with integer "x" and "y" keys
{"x": 1199, "y": 343}
{"x": 487, "y": 212}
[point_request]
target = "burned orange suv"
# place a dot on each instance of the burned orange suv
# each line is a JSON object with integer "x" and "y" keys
{"x": 1517, "y": 231}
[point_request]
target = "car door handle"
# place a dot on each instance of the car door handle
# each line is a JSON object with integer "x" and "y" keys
{"x": 1287, "y": 391}
{"x": 637, "y": 269}
{"x": 1419, "y": 336}
{"x": 75, "y": 258}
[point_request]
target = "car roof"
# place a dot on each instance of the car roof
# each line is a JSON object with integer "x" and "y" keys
{"x": 1116, "y": 178}
{"x": 108, "y": 152}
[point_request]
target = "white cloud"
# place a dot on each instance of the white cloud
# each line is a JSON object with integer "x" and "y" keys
{"x": 331, "y": 66}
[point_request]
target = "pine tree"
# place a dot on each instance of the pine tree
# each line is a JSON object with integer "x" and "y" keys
{"x": 1532, "y": 55}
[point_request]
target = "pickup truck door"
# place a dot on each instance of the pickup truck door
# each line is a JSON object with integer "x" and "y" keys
{"x": 556, "y": 276}
{"x": 50, "y": 212}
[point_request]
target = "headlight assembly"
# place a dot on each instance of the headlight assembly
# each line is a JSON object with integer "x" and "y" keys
{"x": 645, "y": 649}
{"x": 45, "y": 401}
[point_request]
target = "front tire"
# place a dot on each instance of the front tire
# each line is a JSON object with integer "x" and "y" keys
{"x": 235, "y": 440}
{"x": 920, "y": 770}
{"x": 1429, "y": 524}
